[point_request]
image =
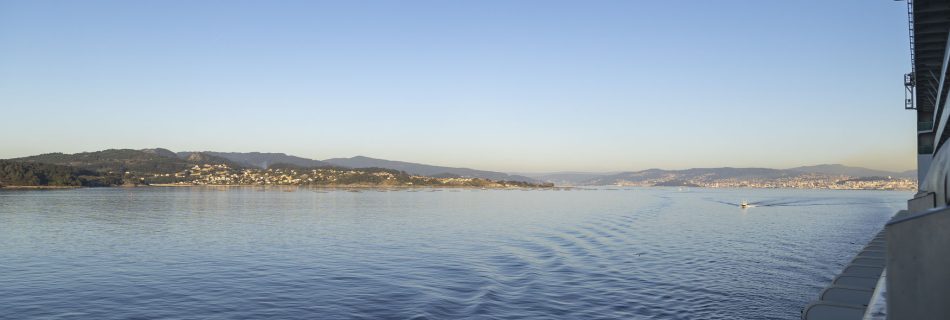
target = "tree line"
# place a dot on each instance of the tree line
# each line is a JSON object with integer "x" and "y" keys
{"x": 13, "y": 173}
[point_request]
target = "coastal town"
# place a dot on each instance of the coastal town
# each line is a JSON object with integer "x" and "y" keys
{"x": 803, "y": 181}
{"x": 222, "y": 174}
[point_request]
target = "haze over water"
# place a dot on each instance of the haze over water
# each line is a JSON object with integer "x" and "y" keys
{"x": 206, "y": 253}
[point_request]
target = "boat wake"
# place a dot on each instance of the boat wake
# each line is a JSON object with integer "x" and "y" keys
{"x": 797, "y": 203}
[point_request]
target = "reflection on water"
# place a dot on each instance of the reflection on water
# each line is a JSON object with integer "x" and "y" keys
{"x": 201, "y": 253}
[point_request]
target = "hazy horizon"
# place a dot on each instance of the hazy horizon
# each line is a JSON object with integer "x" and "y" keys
{"x": 493, "y": 85}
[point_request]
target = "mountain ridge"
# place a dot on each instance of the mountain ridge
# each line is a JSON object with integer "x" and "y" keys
{"x": 841, "y": 169}
{"x": 164, "y": 161}
{"x": 263, "y": 160}
{"x": 591, "y": 178}
{"x": 122, "y": 160}
{"x": 424, "y": 169}
{"x": 733, "y": 175}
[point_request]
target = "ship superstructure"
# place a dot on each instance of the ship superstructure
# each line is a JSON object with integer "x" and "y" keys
{"x": 904, "y": 271}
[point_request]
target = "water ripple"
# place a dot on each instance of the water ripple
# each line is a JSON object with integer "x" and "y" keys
{"x": 194, "y": 253}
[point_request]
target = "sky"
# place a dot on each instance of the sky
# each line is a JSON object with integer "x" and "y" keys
{"x": 516, "y": 86}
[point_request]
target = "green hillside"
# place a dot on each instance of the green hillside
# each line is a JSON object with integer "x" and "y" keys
{"x": 125, "y": 160}
{"x": 14, "y": 173}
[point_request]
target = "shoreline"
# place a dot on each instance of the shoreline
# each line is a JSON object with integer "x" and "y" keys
{"x": 402, "y": 187}
{"x": 41, "y": 187}
{"x": 166, "y": 185}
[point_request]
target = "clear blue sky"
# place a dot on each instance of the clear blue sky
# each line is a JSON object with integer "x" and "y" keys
{"x": 499, "y": 85}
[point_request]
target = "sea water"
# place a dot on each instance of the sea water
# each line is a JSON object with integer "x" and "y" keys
{"x": 253, "y": 253}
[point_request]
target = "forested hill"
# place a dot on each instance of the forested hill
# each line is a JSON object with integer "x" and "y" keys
{"x": 123, "y": 160}
{"x": 262, "y": 160}
{"x": 14, "y": 173}
{"x": 164, "y": 161}
{"x": 161, "y": 166}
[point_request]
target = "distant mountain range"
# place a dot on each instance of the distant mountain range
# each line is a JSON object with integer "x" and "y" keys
{"x": 566, "y": 178}
{"x": 837, "y": 169}
{"x": 593, "y": 178}
{"x": 676, "y": 177}
{"x": 424, "y": 169}
{"x": 689, "y": 174}
{"x": 159, "y": 160}
{"x": 264, "y": 160}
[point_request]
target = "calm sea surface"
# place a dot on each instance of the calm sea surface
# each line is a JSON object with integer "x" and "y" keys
{"x": 247, "y": 253}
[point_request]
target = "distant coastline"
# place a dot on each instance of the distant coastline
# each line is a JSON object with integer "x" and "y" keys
{"x": 336, "y": 187}
{"x": 162, "y": 167}
{"x": 400, "y": 187}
